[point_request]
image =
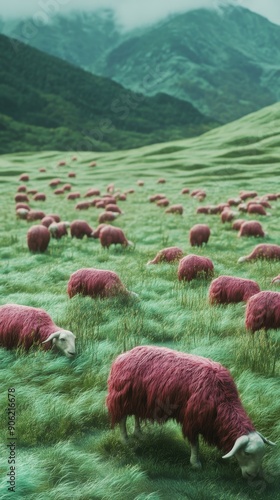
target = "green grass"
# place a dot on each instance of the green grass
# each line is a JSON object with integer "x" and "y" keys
{"x": 65, "y": 447}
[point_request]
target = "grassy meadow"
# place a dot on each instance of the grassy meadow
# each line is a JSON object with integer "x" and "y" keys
{"x": 64, "y": 445}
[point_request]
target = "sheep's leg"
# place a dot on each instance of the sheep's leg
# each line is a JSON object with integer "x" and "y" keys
{"x": 137, "y": 429}
{"x": 124, "y": 436}
{"x": 194, "y": 460}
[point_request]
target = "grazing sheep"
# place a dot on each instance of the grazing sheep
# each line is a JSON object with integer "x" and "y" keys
{"x": 61, "y": 163}
{"x": 227, "y": 215}
{"x": 66, "y": 187}
{"x": 74, "y": 158}
{"x": 203, "y": 210}
{"x": 121, "y": 196}
{"x": 256, "y": 208}
{"x": 158, "y": 384}
{"x": 58, "y": 191}
{"x": 21, "y": 213}
{"x": 234, "y": 201}
{"x": 80, "y": 228}
{"x": 35, "y": 215}
{"x": 263, "y": 311}
{"x": 47, "y": 221}
{"x": 109, "y": 200}
{"x": 55, "y": 217}
{"x": 110, "y": 188}
{"x": 38, "y": 238}
{"x": 82, "y": 205}
{"x": 157, "y": 197}
{"x": 20, "y": 197}
{"x": 199, "y": 234}
{"x": 215, "y": 209}
{"x": 54, "y": 182}
{"x": 107, "y": 217}
{"x": 96, "y": 232}
{"x": 110, "y": 207}
{"x": 185, "y": 191}
{"x": 194, "y": 192}
{"x": 161, "y": 181}
{"x": 32, "y": 191}
{"x": 110, "y": 235}
{"x": 95, "y": 283}
{"x": 22, "y": 189}
{"x": 71, "y": 174}
{"x": 24, "y": 326}
{"x": 169, "y": 254}
{"x": 193, "y": 266}
{"x": 92, "y": 164}
{"x": 39, "y": 197}
{"x": 242, "y": 207}
{"x": 251, "y": 228}
{"x": 244, "y": 195}
{"x": 92, "y": 192}
{"x": 140, "y": 183}
{"x": 73, "y": 196}
{"x": 175, "y": 209}
{"x": 24, "y": 177}
{"x": 262, "y": 251}
{"x": 42, "y": 169}
{"x": 227, "y": 289}
{"x": 58, "y": 229}
{"x": 271, "y": 196}
{"x": 22, "y": 205}
{"x": 100, "y": 204}
{"x": 164, "y": 202}
{"x": 236, "y": 225}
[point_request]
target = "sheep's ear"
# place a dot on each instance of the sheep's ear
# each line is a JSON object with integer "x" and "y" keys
{"x": 52, "y": 336}
{"x": 265, "y": 440}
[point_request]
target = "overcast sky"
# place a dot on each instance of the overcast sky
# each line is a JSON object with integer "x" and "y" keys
{"x": 133, "y": 13}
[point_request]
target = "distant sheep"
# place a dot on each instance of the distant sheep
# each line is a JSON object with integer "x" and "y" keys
{"x": 227, "y": 215}
{"x": 271, "y": 196}
{"x": 82, "y": 205}
{"x": 35, "y": 215}
{"x": 22, "y": 213}
{"x": 113, "y": 208}
{"x": 92, "y": 164}
{"x": 96, "y": 232}
{"x": 140, "y": 183}
{"x": 203, "y": 210}
{"x": 66, "y": 187}
{"x": 38, "y": 238}
{"x": 80, "y": 228}
{"x": 109, "y": 200}
{"x": 170, "y": 254}
{"x": 58, "y": 191}
{"x": 42, "y": 169}
{"x": 262, "y": 251}
{"x": 185, "y": 191}
{"x": 242, "y": 207}
{"x": 71, "y": 174}
{"x": 24, "y": 177}
{"x": 55, "y": 217}
{"x": 61, "y": 163}
{"x": 234, "y": 201}
{"x": 21, "y": 197}
{"x": 32, "y": 191}
{"x": 156, "y": 197}
{"x": 110, "y": 235}
{"x": 58, "y": 229}
{"x": 95, "y": 283}
{"x": 161, "y": 181}
{"x": 54, "y": 182}
{"x": 100, "y": 204}
{"x": 199, "y": 234}
{"x": 236, "y": 225}
{"x": 251, "y": 228}
{"x": 92, "y": 192}
{"x": 47, "y": 221}
{"x": 175, "y": 209}
{"x": 22, "y": 189}
{"x": 159, "y": 384}
{"x": 107, "y": 217}
{"x": 194, "y": 266}
{"x": 110, "y": 188}
{"x": 22, "y": 205}
{"x": 227, "y": 289}
{"x": 24, "y": 326}
{"x": 121, "y": 196}
{"x": 244, "y": 195}
{"x": 263, "y": 311}
{"x": 39, "y": 197}
{"x": 256, "y": 208}
{"x": 164, "y": 202}
{"x": 73, "y": 196}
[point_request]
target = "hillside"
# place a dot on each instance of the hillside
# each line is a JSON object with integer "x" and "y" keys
{"x": 226, "y": 62}
{"x": 46, "y": 103}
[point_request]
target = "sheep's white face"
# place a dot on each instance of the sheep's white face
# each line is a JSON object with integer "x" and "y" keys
{"x": 250, "y": 457}
{"x": 65, "y": 342}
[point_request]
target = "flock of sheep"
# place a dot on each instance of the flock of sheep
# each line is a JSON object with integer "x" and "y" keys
{"x": 201, "y": 393}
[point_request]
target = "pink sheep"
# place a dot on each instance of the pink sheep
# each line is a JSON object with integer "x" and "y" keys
{"x": 262, "y": 251}
{"x": 110, "y": 207}
{"x": 35, "y": 215}
{"x": 157, "y": 197}
{"x": 110, "y": 188}
{"x": 95, "y": 283}
{"x": 61, "y": 163}
{"x": 55, "y": 217}
{"x": 234, "y": 201}
{"x": 58, "y": 191}
{"x": 170, "y": 254}
{"x": 107, "y": 217}
{"x": 42, "y": 169}
{"x": 140, "y": 183}
{"x": 175, "y": 209}
{"x": 82, "y": 205}
{"x": 121, "y": 196}
{"x": 96, "y": 232}
{"x": 24, "y": 177}
{"x": 38, "y": 238}
{"x": 161, "y": 181}
{"x": 80, "y": 228}
{"x": 71, "y": 174}
{"x": 54, "y": 182}
{"x": 185, "y": 191}
{"x": 22, "y": 205}
{"x": 66, "y": 187}
{"x": 227, "y": 215}
{"x": 272, "y": 196}
{"x": 22, "y": 189}
{"x": 110, "y": 235}
{"x": 203, "y": 210}
{"x": 244, "y": 195}
{"x": 20, "y": 197}
{"x": 199, "y": 234}
{"x": 47, "y": 221}
{"x": 227, "y": 289}
{"x": 39, "y": 197}
{"x": 263, "y": 311}
{"x": 109, "y": 200}
{"x": 74, "y": 158}
{"x": 92, "y": 192}
{"x": 58, "y": 229}
{"x": 256, "y": 208}
{"x": 194, "y": 266}
{"x": 164, "y": 202}
{"x": 251, "y": 228}
{"x": 159, "y": 384}
{"x": 236, "y": 225}
{"x": 24, "y": 326}
{"x": 100, "y": 204}
{"x": 73, "y": 196}
{"x": 32, "y": 191}
{"x": 92, "y": 164}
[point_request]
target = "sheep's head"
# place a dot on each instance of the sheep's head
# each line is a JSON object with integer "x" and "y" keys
{"x": 64, "y": 341}
{"x": 249, "y": 451}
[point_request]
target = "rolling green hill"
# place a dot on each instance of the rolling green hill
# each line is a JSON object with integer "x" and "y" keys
{"x": 46, "y": 103}
{"x": 225, "y": 62}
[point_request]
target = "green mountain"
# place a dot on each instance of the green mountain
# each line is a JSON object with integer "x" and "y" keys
{"x": 225, "y": 62}
{"x": 47, "y": 103}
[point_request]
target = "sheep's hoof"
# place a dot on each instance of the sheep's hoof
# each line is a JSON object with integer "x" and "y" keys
{"x": 196, "y": 465}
